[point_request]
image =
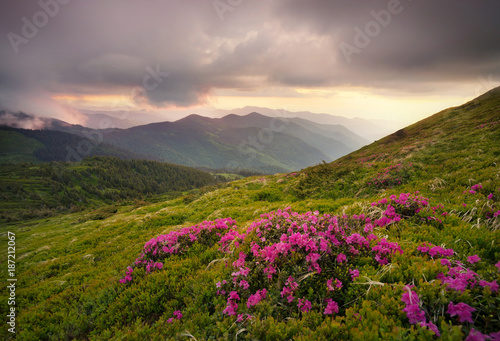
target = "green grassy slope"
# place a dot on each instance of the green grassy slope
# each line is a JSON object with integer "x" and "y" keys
{"x": 25, "y": 145}
{"x": 69, "y": 267}
{"x": 16, "y": 147}
{"x": 39, "y": 190}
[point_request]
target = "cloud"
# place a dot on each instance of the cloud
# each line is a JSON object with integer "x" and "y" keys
{"x": 111, "y": 47}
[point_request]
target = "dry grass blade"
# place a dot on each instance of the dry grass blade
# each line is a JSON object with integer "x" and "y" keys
{"x": 239, "y": 332}
{"x": 188, "y": 334}
{"x": 370, "y": 283}
{"x": 215, "y": 261}
{"x": 385, "y": 269}
{"x": 306, "y": 275}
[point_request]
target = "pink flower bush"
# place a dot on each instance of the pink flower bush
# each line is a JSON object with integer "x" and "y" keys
{"x": 493, "y": 285}
{"x": 434, "y": 251}
{"x": 473, "y": 259}
{"x": 128, "y": 276}
{"x": 414, "y": 312}
{"x": 280, "y": 257}
{"x": 283, "y": 241}
{"x": 290, "y": 287}
{"x": 462, "y": 310}
{"x": 354, "y": 273}
{"x": 256, "y": 298}
{"x": 304, "y": 305}
{"x": 331, "y": 307}
{"x": 391, "y": 176}
{"x": 178, "y": 242}
{"x": 341, "y": 258}
{"x": 177, "y": 315}
{"x": 333, "y": 285}
{"x": 431, "y": 326}
{"x": 458, "y": 278}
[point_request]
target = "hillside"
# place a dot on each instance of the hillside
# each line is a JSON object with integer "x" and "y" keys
{"x": 27, "y": 145}
{"x": 30, "y": 191}
{"x": 396, "y": 241}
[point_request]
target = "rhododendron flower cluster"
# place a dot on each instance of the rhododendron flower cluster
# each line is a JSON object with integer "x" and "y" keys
{"x": 434, "y": 251}
{"x": 176, "y": 242}
{"x": 456, "y": 278}
{"x": 391, "y": 176}
{"x": 128, "y": 275}
{"x": 462, "y": 310}
{"x": 473, "y": 259}
{"x": 177, "y": 315}
{"x": 331, "y": 307}
{"x": 414, "y": 312}
{"x": 285, "y": 254}
{"x": 284, "y": 244}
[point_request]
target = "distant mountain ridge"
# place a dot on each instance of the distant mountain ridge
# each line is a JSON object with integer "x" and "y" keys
{"x": 370, "y": 129}
{"x": 253, "y": 142}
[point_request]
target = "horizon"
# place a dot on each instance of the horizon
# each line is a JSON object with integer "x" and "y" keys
{"x": 374, "y": 60}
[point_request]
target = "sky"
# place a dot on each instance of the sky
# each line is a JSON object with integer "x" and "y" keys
{"x": 397, "y": 60}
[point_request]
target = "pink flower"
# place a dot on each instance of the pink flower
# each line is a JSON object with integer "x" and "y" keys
{"x": 490, "y": 196}
{"x": 244, "y": 284}
{"x": 177, "y": 314}
{"x": 445, "y": 262}
{"x": 331, "y": 285}
{"x": 354, "y": 273}
{"x": 231, "y": 308}
{"x": 410, "y": 297}
{"x": 462, "y": 310}
{"x": 304, "y": 305}
{"x": 233, "y": 295}
{"x": 498, "y": 265}
{"x": 423, "y": 248}
{"x": 414, "y": 314}
{"x": 243, "y": 317}
{"x": 493, "y": 285}
{"x": 431, "y": 327}
{"x": 341, "y": 258}
{"x": 331, "y": 307}
{"x": 256, "y": 298}
{"x": 495, "y": 336}
{"x": 473, "y": 259}
{"x": 170, "y": 320}
{"x": 475, "y": 335}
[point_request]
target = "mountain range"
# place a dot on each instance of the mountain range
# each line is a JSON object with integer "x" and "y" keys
{"x": 371, "y": 129}
{"x": 252, "y": 142}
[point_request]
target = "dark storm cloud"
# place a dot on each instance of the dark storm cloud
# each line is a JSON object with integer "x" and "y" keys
{"x": 428, "y": 40}
{"x": 110, "y": 47}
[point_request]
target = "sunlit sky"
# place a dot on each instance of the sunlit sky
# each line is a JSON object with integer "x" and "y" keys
{"x": 399, "y": 60}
